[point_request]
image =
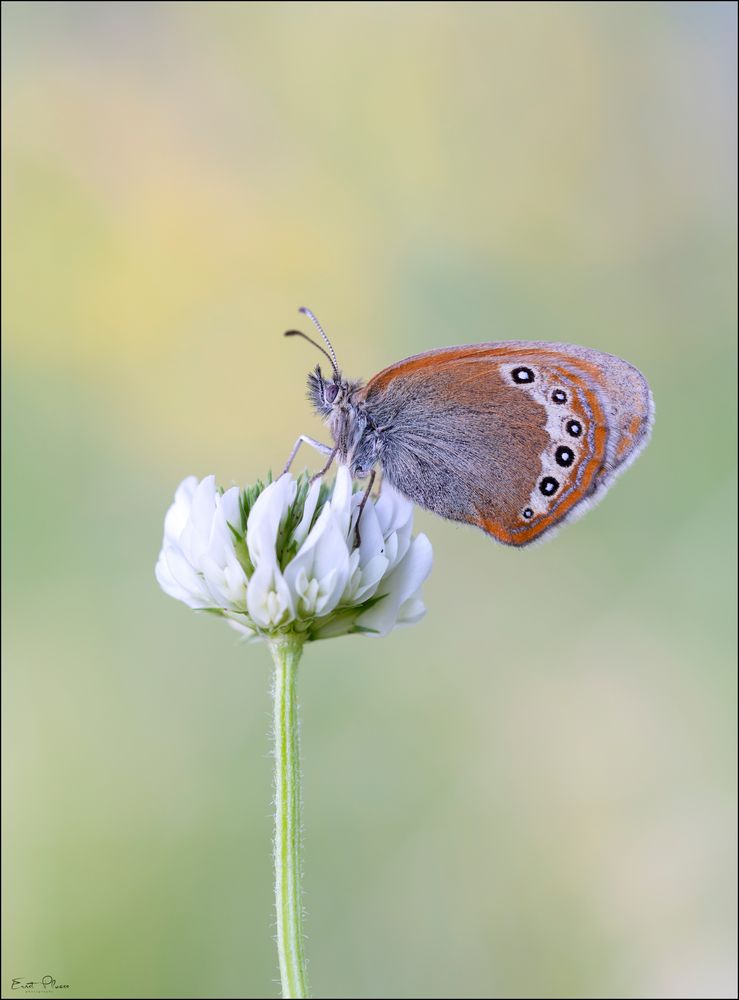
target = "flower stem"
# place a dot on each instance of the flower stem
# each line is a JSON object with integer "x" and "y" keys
{"x": 286, "y": 652}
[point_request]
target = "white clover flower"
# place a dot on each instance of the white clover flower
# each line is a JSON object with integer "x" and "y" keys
{"x": 284, "y": 562}
{"x": 284, "y": 557}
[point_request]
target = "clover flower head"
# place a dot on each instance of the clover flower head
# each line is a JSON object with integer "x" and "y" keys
{"x": 284, "y": 557}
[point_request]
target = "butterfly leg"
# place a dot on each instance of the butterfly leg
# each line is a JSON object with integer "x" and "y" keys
{"x": 327, "y": 466}
{"x": 362, "y": 505}
{"x": 318, "y": 445}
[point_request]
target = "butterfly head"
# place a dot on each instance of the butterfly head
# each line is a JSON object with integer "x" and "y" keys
{"x": 327, "y": 394}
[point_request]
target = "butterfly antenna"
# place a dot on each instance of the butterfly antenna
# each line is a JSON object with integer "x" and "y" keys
{"x": 307, "y": 312}
{"x": 299, "y": 333}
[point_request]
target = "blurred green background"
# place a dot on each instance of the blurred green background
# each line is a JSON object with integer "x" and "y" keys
{"x": 531, "y": 794}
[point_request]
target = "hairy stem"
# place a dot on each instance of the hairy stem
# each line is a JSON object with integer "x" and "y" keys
{"x": 286, "y": 652}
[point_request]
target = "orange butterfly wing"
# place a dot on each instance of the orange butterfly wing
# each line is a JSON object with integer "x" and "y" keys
{"x": 514, "y": 437}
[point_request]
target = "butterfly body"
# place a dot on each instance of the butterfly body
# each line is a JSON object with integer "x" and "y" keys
{"x": 514, "y": 437}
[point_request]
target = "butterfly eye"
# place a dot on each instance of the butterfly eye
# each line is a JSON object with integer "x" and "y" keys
{"x": 330, "y": 391}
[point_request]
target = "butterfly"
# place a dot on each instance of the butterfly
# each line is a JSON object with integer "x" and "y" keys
{"x": 515, "y": 437}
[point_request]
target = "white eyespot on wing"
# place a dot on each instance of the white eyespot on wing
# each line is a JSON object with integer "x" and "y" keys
{"x": 568, "y": 432}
